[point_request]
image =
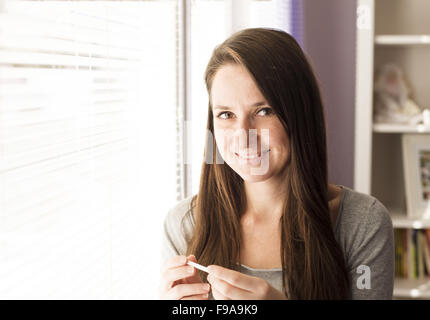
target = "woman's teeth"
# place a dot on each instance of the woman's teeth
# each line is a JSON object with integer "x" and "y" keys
{"x": 249, "y": 157}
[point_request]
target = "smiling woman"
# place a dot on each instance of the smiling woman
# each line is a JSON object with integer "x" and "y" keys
{"x": 284, "y": 232}
{"x": 233, "y": 85}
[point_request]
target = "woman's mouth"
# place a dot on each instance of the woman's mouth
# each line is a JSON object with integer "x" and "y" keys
{"x": 250, "y": 158}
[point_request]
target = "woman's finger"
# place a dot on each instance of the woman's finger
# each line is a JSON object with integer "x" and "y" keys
{"x": 197, "y": 297}
{"x": 233, "y": 277}
{"x": 171, "y": 275}
{"x": 175, "y": 261}
{"x": 175, "y": 271}
{"x": 228, "y": 290}
{"x": 192, "y": 258}
{"x": 218, "y": 295}
{"x": 183, "y": 290}
{"x": 196, "y": 277}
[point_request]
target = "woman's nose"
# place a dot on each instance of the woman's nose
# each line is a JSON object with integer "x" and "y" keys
{"x": 246, "y": 134}
{"x": 245, "y": 123}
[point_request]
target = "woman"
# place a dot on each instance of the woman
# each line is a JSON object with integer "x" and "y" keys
{"x": 265, "y": 220}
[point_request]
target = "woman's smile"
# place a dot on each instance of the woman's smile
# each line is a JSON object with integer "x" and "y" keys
{"x": 252, "y": 159}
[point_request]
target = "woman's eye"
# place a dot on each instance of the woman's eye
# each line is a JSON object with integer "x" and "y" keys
{"x": 220, "y": 115}
{"x": 267, "y": 111}
{"x": 226, "y": 114}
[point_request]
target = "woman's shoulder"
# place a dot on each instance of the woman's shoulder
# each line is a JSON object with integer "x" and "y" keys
{"x": 181, "y": 209}
{"x": 179, "y": 220}
{"x": 362, "y": 217}
{"x": 177, "y": 229}
{"x": 358, "y": 206}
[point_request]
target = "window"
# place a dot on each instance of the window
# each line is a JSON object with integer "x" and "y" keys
{"x": 88, "y": 106}
{"x": 92, "y": 98}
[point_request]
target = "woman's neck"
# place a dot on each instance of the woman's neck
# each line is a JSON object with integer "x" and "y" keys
{"x": 264, "y": 200}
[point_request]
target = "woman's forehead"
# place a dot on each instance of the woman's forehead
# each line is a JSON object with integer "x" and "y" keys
{"x": 233, "y": 85}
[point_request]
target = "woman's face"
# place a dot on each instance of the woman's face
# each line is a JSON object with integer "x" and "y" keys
{"x": 246, "y": 126}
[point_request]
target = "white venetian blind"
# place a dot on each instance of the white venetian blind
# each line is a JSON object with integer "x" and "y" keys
{"x": 88, "y": 137}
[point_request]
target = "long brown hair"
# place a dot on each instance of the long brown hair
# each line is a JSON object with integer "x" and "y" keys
{"x": 313, "y": 265}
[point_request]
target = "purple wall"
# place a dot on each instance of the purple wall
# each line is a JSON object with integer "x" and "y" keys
{"x": 329, "y": 41}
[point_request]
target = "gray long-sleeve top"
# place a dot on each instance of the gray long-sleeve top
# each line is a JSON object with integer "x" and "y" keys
{"x": 363, "y": 229}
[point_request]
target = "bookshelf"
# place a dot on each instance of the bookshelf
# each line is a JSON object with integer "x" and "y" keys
{"x": 402, "y": 40}
{"x": 401, "y": 221}
{"x": 399, "y": 128}
{"x": 396, "y": 31}
{"x": 411, "y": 288}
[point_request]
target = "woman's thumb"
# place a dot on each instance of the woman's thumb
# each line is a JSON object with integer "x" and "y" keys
{"x": 192, "y": 257}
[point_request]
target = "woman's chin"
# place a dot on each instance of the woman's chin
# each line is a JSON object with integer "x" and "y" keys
{"x": 254, "y": 178}
{"x": 253, "y": 174}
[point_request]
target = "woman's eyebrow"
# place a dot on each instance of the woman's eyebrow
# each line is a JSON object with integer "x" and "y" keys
{"x": 254, "y": 105}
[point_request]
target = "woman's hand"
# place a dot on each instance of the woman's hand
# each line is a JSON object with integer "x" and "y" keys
{"x": 181, "y": 281}
{"x": 232, "y": 285}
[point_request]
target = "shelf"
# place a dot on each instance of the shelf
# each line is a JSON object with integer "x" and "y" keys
{"x": 405, "y": 40}
{"x": 412, "y": 288}
{"x": 402, "y": 221}
{"x": 399, "y": 35}
{"x": 399, "y": 128}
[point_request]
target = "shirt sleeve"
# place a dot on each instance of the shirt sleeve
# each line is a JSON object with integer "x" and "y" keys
{"x": 168, "y": 247}
{"x": 176, "y": 228}
{"x": 372, "y": 260}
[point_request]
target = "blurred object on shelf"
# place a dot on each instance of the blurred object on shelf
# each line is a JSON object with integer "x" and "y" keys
{"x": 393, "y": 103}
{"x": 426, "y": 117}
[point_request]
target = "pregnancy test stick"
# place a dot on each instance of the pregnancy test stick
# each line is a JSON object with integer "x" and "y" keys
{"x": 198, "y": 266}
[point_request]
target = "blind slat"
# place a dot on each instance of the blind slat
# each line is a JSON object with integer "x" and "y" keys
{"x": 67, "y": 46}
{"x": 35, "y": 58}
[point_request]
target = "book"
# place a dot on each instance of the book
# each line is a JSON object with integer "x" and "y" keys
{"x": 427, "y": 233}
{"x": 405, "y": 260}
{"x": 420, "y": 254}
{"x": 410, "y": 254}
{"x": 426, "y": 251}
{"x": 415, "y": 252}
{"x": 397, "y": 241}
